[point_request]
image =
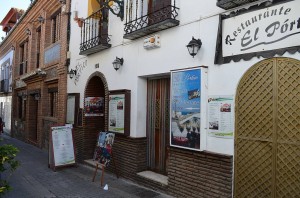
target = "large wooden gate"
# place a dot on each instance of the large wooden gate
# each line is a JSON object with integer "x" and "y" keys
{"x": 267, "y": 138}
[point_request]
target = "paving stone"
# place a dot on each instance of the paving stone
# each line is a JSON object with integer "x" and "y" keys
{"x": 33, "y": 179}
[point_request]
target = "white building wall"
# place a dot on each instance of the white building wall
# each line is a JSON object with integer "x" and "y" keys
{"x": 6, "y": 99}
{"x": 198, "y": 18}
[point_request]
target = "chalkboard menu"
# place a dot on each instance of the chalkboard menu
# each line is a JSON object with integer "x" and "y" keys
{"x": 61, "y": 148}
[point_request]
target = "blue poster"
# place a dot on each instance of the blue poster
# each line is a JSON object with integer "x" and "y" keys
{"x": 185, "y": 108}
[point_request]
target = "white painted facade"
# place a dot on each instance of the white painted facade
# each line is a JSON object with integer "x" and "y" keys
{"x": 198, "y": 18}
{"x": 6, "y": 98}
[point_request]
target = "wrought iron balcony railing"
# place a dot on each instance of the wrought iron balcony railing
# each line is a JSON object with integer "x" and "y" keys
{"x": 157, "y": 20}
{"x": 94, "y": 34}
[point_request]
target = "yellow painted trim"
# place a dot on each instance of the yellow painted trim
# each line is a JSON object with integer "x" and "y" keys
{"x": 93, "y": 6}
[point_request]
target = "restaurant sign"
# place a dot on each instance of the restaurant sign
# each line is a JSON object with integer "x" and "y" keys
{"x": 262, "y": 30}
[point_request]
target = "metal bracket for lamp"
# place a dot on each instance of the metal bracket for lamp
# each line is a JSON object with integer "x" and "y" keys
{"x": 115, "y": 6}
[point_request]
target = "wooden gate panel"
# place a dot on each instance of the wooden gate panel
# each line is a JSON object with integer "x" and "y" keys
{"x": 288, "y": 102}
{"x": 254, "y": 101}
{"x": 254, "y": 170}
{"x": 254, "y": 136}
{"x": 288, "y": 171}
{"x": 288, "y": 129}
{"x": 267, "y": 137}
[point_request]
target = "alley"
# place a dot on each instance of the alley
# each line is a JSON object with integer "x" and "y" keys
{"x": 33, "y": 179}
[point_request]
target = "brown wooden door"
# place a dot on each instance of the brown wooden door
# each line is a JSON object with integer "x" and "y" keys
{"x": 158, "y": 131}
{"x": 158, "y": 10}
{"x": 267, "y": 137}
{"x": 33, "y": 119}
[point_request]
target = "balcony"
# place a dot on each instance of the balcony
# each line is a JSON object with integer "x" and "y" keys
{"x": 4, "y": 86}
{"x": 228, "y": 4}
{"x": 94, "y": 33}
{"x": 157, "y": 20}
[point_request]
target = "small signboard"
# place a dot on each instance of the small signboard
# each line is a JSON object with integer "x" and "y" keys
{"x": 103, "y": 154}
{"x": 103, "y": 151}
{"x": 61, "y": 147}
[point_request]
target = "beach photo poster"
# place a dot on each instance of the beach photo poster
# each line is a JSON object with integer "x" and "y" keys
{"x": 185, "y": 108}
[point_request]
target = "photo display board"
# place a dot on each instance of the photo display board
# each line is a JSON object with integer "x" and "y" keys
{"x": 72, "y": 108}
{"x": 119, "y": 112}
{"x": 61, "y": 148}
{"x": 185, "y": 108}
{"x": 221, "y": 116}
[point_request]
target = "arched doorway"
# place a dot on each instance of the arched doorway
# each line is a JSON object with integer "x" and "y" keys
{"x": 95, "y": 120}
{"x": 267, "y": 137}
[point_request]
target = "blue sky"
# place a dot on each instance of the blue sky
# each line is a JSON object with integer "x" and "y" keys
{"x": 5, "y": 6}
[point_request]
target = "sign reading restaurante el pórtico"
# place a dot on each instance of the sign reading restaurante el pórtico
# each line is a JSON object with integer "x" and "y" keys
{"x": 267, "y": 29}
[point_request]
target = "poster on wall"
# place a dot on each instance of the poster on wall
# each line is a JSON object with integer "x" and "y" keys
{"x": 94, "y": 106}
{"x": 116, "y": 113}
{"x": 185, "y": 108}
{"x": 220, "y": 116}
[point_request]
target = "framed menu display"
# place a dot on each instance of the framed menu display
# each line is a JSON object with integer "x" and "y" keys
{"x": 221, "y": 116}
{"x": 61, "y": 147}
{"x": 119, "y": 111}
{"x": 72, "y": 108}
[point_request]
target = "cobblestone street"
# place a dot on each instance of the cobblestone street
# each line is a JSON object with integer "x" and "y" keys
{"x": 33, "y": 179}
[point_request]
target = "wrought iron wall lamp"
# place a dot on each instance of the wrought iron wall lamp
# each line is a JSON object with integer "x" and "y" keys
{"x": 117, "y": 63}
{"x": 194, "y": 46}
{"x": 24, "y": 96}
{"x": 41, "y": 19}
{"x": 28, "y": 32}
{"x": 62, "y": 1}
{"x": 37, "y": 96}
{"x": 72, "y": 73}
